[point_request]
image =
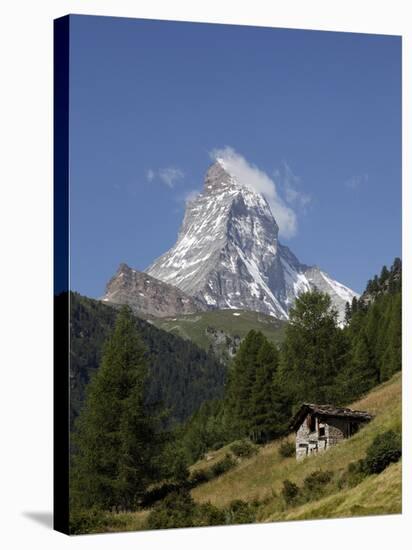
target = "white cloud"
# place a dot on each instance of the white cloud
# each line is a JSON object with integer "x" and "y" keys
{"x": 191, "y": 195}
{"x": 356, "y": 181}
{"x": 251, "y": 176}
{"x": 150, "y": 175}
{"x": 291, "y": 184}
{"x": 169, "y": 176}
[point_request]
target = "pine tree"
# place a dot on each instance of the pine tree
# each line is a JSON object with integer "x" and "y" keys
{"x": 348, "y": 312}
{"x": 363, "y": 372}
{"x": 354, "y": 307}
{"x": 396, "y": 266}
{"x": 269, "y": 410}
{"x": 115, "y": 442}
{"x": 392, "y": 358}
{"x": 314, "y": 350}
{"x": 242, "y": 376}
{"x": 375, "y": 286}
{"x": 395, "y": 279}
{"x": 384, "y": 275}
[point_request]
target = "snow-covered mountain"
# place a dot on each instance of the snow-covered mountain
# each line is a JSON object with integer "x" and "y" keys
{"x": 228, "y": 254}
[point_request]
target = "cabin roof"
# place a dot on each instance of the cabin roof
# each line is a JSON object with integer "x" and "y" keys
{"x": 327, "y": 411}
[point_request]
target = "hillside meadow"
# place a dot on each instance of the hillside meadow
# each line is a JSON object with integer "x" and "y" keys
{"x": 202, "y": 327}
{"x": 259, "y": 480}
{"x": 261, "y": 477}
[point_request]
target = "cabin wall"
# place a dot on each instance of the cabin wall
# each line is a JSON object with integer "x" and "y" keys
{"x": 302, "y": 441}
{"x": 336, "y": 430}
{"x": 309, "y": 442}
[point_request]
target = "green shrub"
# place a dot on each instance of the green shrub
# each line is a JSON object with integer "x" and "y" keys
{"x": 243, "y": 449}
{"x": 207, "y": 514}
{"x": 180, "y": 510}
{"x": 314, "y": 486}
{"x": 203, "y": 475}
{"x": 290, "y": 492}
{"x": 200, "y": 476}
{"x": 353, "y": 475}
{"x": 240, "y": 511}
{"x": 223, "y": 466}
{"x": 176, "y": 510}
{"x": 385, "y": 449}
{"x": 287, "y": 449}
{"x": 315, "y": 482}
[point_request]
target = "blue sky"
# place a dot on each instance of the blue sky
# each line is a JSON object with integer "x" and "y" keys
{"x": 318, "y": 112}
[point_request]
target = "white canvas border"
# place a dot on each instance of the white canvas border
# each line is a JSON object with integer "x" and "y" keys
{"x": 26, "y": 272}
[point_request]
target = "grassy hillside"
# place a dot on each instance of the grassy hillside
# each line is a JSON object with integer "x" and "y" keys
{"x": 378, "y": 494}
{"x": 210, "y": 327}
{"x": 261, "y": 477}
{"x": 258, "y": 480}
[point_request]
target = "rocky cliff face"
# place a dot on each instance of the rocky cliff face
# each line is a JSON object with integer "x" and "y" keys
{"x": 228, "y": 255}
{"x": 148, "y": 296}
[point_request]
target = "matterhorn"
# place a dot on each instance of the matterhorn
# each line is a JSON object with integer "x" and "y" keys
{"x": 228, "y": 253}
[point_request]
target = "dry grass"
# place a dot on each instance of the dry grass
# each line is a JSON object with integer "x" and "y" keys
{"x": 378, "y": 494}
{"x": 261, "y": 477}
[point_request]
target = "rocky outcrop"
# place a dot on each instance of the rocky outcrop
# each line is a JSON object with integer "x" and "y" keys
{"x": 148, "y": 296}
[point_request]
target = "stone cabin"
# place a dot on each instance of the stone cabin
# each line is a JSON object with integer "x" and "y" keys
{"x": 319, "y": 427}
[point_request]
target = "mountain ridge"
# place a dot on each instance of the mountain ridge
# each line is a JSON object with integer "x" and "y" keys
{"x": 147, "y": 295}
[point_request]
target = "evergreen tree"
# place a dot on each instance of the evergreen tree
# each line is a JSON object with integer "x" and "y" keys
{"x": 269, "y": 410}
{"x": 348, "y": 312}
{"x": 207, "y": 429}
{"x": 354, "y": 307}
{"x": 368, "y": 287}
{"x": 375, "y": 336}
{"x": 384, "y": 275}
{"x": 361, "y": 373}
{"x": 396, "y": 266}
{"x": 392, "y": 357}
{"x": 115, "y": 442}
{"x": 242, "y": 376}
{"x": 314, "y": 350}
{"x": 395, "y": 279}
{"x": 256, "y": 405}
{"x": 375, "y": 286}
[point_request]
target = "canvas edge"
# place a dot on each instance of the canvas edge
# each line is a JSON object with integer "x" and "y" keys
{"x": 61, "y": 61}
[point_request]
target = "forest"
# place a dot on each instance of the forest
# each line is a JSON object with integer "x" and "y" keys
{"x": 180, "y": 374}
{"x": 128, "y": 454}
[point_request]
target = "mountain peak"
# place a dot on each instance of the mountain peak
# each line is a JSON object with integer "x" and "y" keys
{"x": 227, "y": 254}
{"x": 218, "y": 178}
